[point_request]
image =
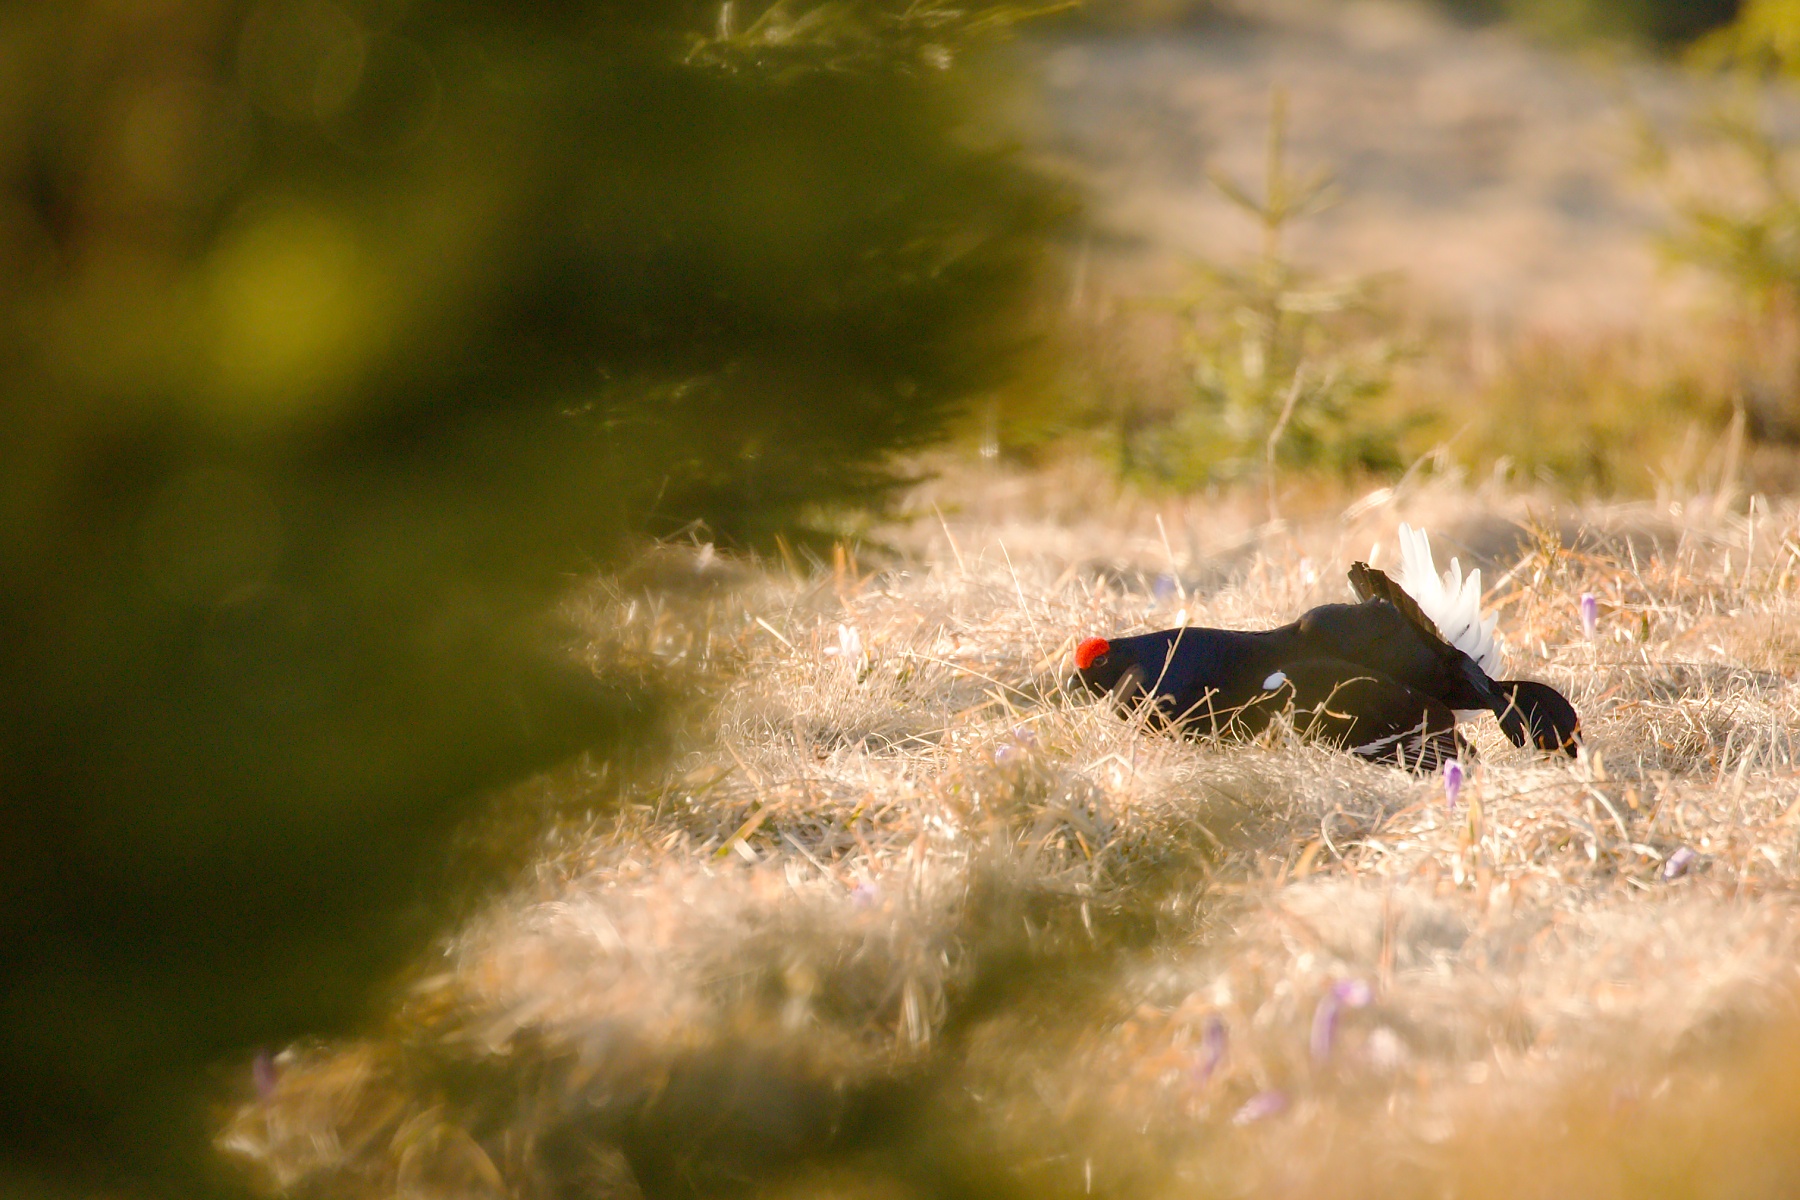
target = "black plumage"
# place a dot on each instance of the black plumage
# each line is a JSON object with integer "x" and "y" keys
{"x": 1530, "y": 712}
{"x": 1376, "y": 678}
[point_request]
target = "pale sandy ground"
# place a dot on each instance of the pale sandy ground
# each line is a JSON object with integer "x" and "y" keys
{"x": 1496, "y": 174}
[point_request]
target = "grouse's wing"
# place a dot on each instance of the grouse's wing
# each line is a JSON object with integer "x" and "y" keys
{"x": 1370, "y": 583}
{"x": 1420, "y": 750}
{"x": 1369, "y": 714}
{"x": 1474, "y": 688}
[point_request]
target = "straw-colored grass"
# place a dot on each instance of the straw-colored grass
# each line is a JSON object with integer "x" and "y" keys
{"x": 900, "y": 917}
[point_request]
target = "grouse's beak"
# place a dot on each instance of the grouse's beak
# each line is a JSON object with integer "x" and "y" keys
{"x": 1123, "y": 688}
{"x": 1090, "y": 682}
{"x": 1127, "y": 689}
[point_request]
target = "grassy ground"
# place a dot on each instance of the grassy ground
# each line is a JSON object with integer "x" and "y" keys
{"x": 901, "y": 918}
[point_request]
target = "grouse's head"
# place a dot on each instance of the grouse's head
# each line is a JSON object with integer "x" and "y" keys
{"x": 1539, "y": 712}
{"x": 1091, "y": 661}
{"x": 1099, "y": 668}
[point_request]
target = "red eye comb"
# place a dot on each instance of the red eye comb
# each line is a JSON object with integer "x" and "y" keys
{"x": 1088, "y": 651}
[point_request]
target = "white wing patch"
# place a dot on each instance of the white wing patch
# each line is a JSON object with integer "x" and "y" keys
{"x": 1274, "y": 681}
{"x": 1452, "y": 601}
{"x": 1418, "y": 748}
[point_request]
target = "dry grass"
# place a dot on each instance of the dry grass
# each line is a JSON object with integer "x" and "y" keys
{"x": 901, "y": 918}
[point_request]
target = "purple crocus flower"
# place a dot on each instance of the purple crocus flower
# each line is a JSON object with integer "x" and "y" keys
{"x": 1015, "y": 750}
{"x": 1453, "y": 781}
{"x": 1345, "y": 993}
{"x": 1213, "y": 1045}
{"x": 1676, "y": 865}
{"x": 1261, "y": 1106}
{"x": 1590, "y": 614}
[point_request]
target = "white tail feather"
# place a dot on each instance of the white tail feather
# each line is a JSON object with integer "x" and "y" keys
{"x": 1451, "y": 601}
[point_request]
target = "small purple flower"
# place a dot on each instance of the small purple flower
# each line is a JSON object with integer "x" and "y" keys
{"x": 1590, "y": 614}
{"x": 1260, "y": 1107}
{"x": 1164, "y": 589}
{"x": 1453, "y": 781}
{"x": 1345, "y": 993}
{"x": 1213, "y": 1045}
{"x": 1324, "y": 1028}
{"x": 265, "y": 1074}
{"x": 1023, "y": 740}
{"x": 1677, "y": 863}
{"x": 865, "y": 895}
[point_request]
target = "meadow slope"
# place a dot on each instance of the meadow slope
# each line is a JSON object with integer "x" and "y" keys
{"x": 901, "y": 918}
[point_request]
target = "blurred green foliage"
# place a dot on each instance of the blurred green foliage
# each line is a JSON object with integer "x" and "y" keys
{"x": 1729, "y": 178}
{"x": 1764, "y": 38}
{"x": 835, "y": 35}
{"x": 1742, "y": 221}
{"x": 1751, "y": 238}
{"x": 1283, "y": 366}
{"x": 338, "y": 337}
{"x": 1605, "y": 418}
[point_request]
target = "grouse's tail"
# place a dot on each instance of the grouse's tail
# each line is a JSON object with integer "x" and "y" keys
{"x": 1452, "y": 600}
{"x": 1536, "y": 714}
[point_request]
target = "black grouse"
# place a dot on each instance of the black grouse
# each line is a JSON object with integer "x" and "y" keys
{"x": 1383, "y": 678}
